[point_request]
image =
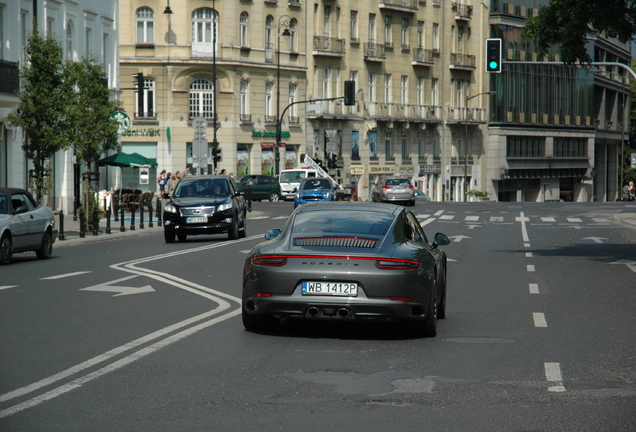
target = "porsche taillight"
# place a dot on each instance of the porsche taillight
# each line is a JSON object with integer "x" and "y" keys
{"x": 270, "y": 260}
{"x": 397, "y": 264}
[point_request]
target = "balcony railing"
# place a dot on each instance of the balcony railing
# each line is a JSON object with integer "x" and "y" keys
{"x": 294, "y": 120}
{"x": 422, "y": 57}
{"x": 9, "y": 77}
{"x": 374, "y": 52}
{"x": 246, "y": 117}
{"x": 463, "y": 12}
{"x": 329, "y": 46}
{"x": 400, "y": 5}
{"x": 270, "y": 119}
{"x": 459, "y": 60}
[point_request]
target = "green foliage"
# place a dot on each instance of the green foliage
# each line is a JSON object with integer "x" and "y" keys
{"x": 43, "y": 97}
{"x": 477, "y": 193}
{"x": 567, "y": 23}
{"x": 93, "y": 132}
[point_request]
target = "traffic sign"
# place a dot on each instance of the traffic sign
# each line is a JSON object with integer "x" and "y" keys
{"x": 199, "y": 123}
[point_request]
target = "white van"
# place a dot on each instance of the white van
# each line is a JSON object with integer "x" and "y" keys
{"x": 290, "y": 179}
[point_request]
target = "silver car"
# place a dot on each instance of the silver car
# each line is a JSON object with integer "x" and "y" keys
{"x": 394, "y": 189}
{"x": 347, "y": 261}
{"x": 25, "y": 225}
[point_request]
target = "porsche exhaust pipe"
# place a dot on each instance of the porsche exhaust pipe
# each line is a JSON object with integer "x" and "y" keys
{"x": 313, "y": 312}
{"x": 343, "y": 313}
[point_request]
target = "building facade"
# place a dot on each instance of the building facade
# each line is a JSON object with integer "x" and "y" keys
{"x": 84, "y": 28}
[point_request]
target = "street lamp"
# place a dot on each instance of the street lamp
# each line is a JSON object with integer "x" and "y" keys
{"x": 466, "y": 143}
{"x": 285, "y": 23}
{"x": 215, "y": 143}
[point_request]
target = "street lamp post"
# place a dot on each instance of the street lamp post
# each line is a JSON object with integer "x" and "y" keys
{"x": 215, "y": 143}
{"x": 466, "y": 143}
{"x": 285, "y": 23}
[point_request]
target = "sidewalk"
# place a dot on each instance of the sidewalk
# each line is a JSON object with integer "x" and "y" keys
{"x": 72, "y": 228}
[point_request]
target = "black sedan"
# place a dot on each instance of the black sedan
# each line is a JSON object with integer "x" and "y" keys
{"x": 347, "y": 261}
{"x": 25, "y": 225}
{"x": 205, "y": 205}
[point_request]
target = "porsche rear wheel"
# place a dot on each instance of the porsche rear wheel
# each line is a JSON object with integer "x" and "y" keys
{"x": 259, "y": 323}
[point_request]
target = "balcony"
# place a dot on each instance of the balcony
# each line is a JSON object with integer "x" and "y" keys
{"x": 462, "y": 61}
{"x": 9, "y": 77}
{"x": 293, "y": 3}
{"x": 270, "y": 119}
{"x": 466, "y": 115}
{"x": 327, "y": 46}
{"x": 463, "y": 12}
{"x": 374, "y": 52}
{"x": 422, "y": 57}
{"x": 246, "y": 118}
{"x": 399, "y": 5}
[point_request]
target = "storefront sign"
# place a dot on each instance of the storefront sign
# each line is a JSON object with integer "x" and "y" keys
{"x": 283, "y": 134}
{"x": 142, "y": 132}
{"x": 382, "y": 169}
{"x": 269, "y": 144}
{"x": 430, "y": 169}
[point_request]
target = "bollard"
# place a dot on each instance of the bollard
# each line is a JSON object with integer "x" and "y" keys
{"x": 82, "y": 233}
{"x": 121, "y": 228}
{"x": 132, "y": 218}
{"x": 159, "y": 223}
{"x": 150, "y": 214}
{"x": 249, "y": 197}
{"x": 61, "y": 235}
{"x": 95, "y": 223}
{"x": 141, "y": 216}
{"x": 116, "y": 209}
{"x": 108, "y": 221}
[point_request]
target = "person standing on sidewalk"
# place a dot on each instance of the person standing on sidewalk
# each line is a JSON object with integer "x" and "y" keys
{"x": 172, "y": 183}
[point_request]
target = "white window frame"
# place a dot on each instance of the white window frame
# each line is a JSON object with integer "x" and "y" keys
{"x": 145, "y": 27}
{"x": 353, "y": 26}
{"x": 404, "y": 90}
{"x": 201, "y": 98}
{"x": 244, "y": 29}
{"x": 269, "y": 90}
{"x": 244, "y": 98}
{"x": 204, "y": 23}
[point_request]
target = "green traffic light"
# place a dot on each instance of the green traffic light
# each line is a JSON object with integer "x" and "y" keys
{"x": 493, "y": 65}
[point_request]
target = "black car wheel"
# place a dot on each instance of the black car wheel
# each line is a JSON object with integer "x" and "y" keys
{"x": 259, "y": 323}
{"x": 182, "y": 237}
{"x": 273, "y": 197}
{"x": 430, "y": 326}
{"x": 46, "y": 249}
{"x": 6, "y": 249}
{"x": 441, "y": 308}
{"x": 168, "y": 235}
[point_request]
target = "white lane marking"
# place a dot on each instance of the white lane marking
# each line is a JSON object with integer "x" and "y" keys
{"x": 496, "y": 218}
{"x": 526, "y": 245}
{"x": 129, "y": 267}
{"x": 422, "y": 216}
{"x": 281, "y": 217}
{"x": 111, "y": 287}
{"x": 548, "y": 219}
{"x": 446, "y": 217}
{"x": 595, "y": 239}
{"x": 629, "y": 263}
{"x": 528, "y": 254}
{"x": 65, "y": 275}
{"x": 553, "y": 374}
{"x": 439, "y": 212}
{"x": 600, "y": 220}
{"x": 471, "y": 218}
{"x": 7, "y": 287}
{"x": 530, "y": 268}
{"x": 524, "y": 230}
{"x": 539, "y": 319}
{"x": 259, "y": 217}
{"x": 574, "y": 220}
{"x": 534, "y": 288}
{"x": 427, "y": 221}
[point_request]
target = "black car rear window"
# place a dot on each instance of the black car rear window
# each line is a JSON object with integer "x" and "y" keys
{"x": 342, "y": 223}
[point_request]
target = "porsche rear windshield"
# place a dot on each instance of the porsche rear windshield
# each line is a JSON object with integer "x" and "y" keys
{"x": 342, "y": 223}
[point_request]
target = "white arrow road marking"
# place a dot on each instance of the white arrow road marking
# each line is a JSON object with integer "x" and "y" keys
{"x": 164, "y": 337}
{"x": 474, "y": 226}
{"x": 120, "y": 290}
{"x": 65, "y": 275}
{"x": 630, "y": 264}
{"x": 553, "y": 374}
{"x": 524, "y": 230}
{"x": 7, "y": 287}
{"x": 595, "y": 239}
{"x": 459, "y": 238}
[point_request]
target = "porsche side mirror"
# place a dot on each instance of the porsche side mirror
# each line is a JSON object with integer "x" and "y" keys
{"x": 440, "y": 239}
{"x": 271, "y": 234}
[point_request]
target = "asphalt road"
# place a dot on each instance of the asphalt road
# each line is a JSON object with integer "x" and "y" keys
{"x": 134, "y": 334}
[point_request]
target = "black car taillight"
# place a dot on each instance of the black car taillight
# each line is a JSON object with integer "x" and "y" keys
{"x": 270, "y": 260}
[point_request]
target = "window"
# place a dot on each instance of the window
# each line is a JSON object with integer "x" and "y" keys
{"x": 50, "y": 25}
{"x": 204, "y": 23}
{"x": 353, "y": 26}
{"x": 420, "y": 92}
{"x": 421, "y": 151}
{"x": 146, "y": 102}
{"x": 70, "y": 44}
{"x": 388, "y": 40}
{"x": 201, "y": 98}
{"x": 525, "y": 146}
{"x": 435, "y": 37}
{"x": 2, "y": 36}
{"x": 292, "y": 108}
{"x": 145, "y": 26}
{"x": 88, "y": 41}
{"x": 371, "y": 28}
{"x": 405, "y": 33}
{"x": 404, "y": 90}
{"x": 420, "y": 34}
{"x": 371, "y": 87}
{"x": 326, "y": 83}
{"x": 269, "y": 89}
{"x": 244, "y": 101}
{"x": 388, "y": 151}
{"x": 293, "y": 36}
{"x": 435, "y": 148}
{"x": 243, "y": 35}
{"x": 570, "y": 147}
{"x": 326, "y": 31}
{"x": 388, "y": 94}
{"x": 434, "y": 92}
{"x": 269, "y": 36}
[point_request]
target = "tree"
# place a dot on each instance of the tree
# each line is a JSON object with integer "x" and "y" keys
{"x": 567, "y": 23}
{"x": 43, "y": 97}
{"x": 93, "y": 131}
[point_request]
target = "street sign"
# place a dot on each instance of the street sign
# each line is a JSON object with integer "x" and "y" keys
{"x": 199, "y": 123}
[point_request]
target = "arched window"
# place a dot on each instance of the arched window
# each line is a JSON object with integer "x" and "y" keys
{"x": 244, "y": 41}
{"x": 70, "y": 43}
{"x": 204, "y": 26}
{"x": 145, "y": 26}
{"x": 269, "y": 43}
{"x": 293, "y": 44}
{"x": 201, "y": 98}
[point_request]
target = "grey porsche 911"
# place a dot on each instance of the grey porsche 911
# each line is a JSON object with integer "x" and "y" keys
{"x": 347, "y": 261}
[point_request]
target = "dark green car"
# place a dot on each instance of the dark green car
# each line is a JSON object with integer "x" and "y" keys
{"x": 262, "y": 187}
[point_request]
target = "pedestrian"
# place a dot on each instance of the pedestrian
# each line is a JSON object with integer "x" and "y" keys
{"x": 223, "y": 172}
{"x": 162, "y": 180}
{"x": 172, "y": 183}
{"x": 626, "y": 192}
{"x": 630, "y": 191}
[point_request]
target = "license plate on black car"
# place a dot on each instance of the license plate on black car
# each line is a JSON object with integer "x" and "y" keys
{"x": 200, "y": 219}
{"x": 345, "y": 289}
